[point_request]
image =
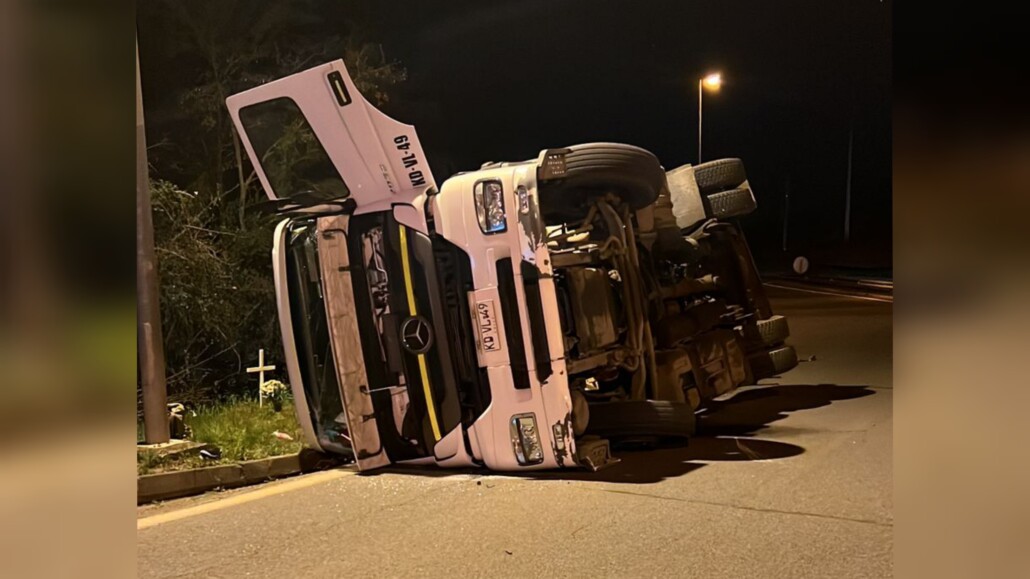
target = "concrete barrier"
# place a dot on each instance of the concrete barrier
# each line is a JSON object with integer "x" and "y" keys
{"x": 174, "y": 484}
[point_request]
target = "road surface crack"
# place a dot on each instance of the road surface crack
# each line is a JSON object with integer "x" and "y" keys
{"x": 754, "y": 509}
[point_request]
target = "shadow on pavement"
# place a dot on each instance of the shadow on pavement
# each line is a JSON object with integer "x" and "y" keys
{"x": 723, "y": 431}
{"x": 750, "y": 410}
{"x": 646, "y": 467}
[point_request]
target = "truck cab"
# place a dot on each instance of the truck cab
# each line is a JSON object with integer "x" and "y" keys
{"x": 399, "y": 302}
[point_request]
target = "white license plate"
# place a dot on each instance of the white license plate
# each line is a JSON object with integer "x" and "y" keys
{"x": 486, "y": 321}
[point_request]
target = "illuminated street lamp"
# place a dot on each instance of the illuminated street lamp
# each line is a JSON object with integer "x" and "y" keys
{"x": 711, "y": 82}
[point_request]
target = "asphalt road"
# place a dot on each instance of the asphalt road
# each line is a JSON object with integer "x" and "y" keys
{"x": 791, "y": 478}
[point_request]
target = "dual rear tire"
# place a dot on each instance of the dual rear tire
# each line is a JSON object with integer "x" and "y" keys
{"x": 724, "y": 189}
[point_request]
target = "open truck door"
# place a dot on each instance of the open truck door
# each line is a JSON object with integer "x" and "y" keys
{"x": 319, "y": 148}
{"x": 314, "y": 140}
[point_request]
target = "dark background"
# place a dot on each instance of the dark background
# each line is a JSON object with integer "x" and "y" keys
{"x": 500, "y": 81}
{"x": 490, "y": 81}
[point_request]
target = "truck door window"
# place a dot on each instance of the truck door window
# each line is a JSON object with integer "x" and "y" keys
{"x": 294, "y": 160}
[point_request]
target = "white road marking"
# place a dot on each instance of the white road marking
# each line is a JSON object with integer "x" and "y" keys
{"x": 889, "y": 300}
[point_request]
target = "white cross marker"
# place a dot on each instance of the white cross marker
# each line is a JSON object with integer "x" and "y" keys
{"x": 261, "y": 369}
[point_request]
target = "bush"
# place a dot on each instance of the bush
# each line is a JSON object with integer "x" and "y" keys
{"x": 213, "y": 255}
{"x": 217, "y": 297}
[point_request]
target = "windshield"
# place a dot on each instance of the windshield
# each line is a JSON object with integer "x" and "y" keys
{"x": 317, "y": 368}
{"x": 290, "y": 153}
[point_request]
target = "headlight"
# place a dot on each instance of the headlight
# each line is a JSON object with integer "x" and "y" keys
{"x": 526, "y": 439}
{"x": 490, "y": 206}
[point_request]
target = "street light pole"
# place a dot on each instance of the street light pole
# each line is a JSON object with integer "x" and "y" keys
{"x": 712, "y": 81}
{"x": 700, "y": 93}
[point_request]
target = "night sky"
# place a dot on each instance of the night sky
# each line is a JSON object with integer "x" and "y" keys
{"x": 502, "y": 80}
{"x": 492, "y": 81}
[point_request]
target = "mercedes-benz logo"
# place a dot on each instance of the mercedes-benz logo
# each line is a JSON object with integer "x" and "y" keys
{"x": 416, "y": 335}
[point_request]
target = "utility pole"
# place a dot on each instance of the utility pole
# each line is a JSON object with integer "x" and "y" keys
{"x": 149, "y": 340}
{"x": 847, "y": 190}
{"x": 786, "y": 210}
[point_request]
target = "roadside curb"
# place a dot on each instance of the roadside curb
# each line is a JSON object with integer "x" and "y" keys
{"x": 182, "y": 483}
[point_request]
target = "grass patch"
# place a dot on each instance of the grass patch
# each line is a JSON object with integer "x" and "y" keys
{"x": 240, "y": 429}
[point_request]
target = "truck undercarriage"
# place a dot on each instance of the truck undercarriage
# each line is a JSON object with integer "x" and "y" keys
{"x": 651, "y": 311}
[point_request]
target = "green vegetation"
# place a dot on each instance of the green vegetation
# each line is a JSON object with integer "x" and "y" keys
{"x": 239, "y": 428}
{"x": 213, "y": 248}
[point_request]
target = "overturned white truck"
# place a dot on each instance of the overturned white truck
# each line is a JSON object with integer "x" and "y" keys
{"x": 519, "y": 316}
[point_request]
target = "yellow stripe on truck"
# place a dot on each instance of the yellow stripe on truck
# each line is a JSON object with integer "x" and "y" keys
{"x": 414, "y": 311}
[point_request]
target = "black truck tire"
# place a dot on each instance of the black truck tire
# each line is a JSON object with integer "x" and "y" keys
{"x": 641, "y": 418}
{"x": 773, "y": 330}
{"x": 592, "y": 169}
{"x": 772, "y": 362}
{"x": 733, "y": 203}
{"x": 719, "y": 175}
